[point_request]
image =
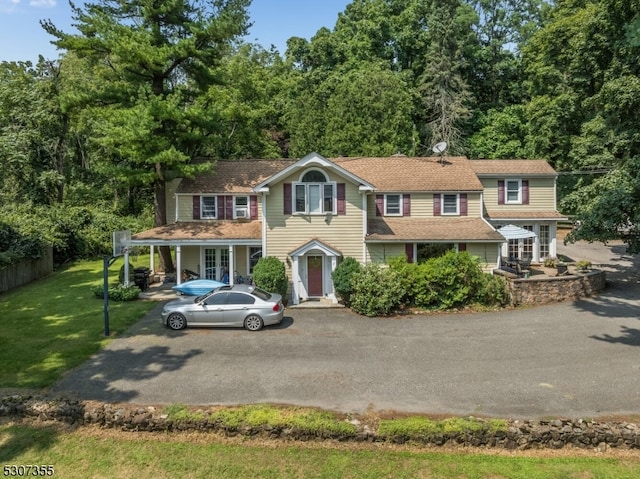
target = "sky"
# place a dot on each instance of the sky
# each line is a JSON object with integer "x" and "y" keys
{"x": 274, "y": 21}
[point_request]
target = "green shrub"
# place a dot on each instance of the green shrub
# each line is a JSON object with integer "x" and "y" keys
{"x": 448, "y": 281}
{"x": 119, "y": 293}
{"x": 342, "y": 278}
{"x": 494, "y": 291}
{"x": 407, "y": 274}
{"x": 377, "y": 290}
{"x": 269, "y": 274}
{"x": 16, "y": 246}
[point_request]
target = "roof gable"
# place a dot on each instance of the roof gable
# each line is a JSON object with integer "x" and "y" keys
{"x": 313, "y": 159}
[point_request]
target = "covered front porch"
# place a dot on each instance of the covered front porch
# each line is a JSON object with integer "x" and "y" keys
{"x": 221, "y": 251}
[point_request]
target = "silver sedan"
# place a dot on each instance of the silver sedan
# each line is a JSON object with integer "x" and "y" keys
{"x": 239, "y": 305}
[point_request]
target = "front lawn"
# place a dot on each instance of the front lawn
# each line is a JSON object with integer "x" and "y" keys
{"x": 54, "y": 324}
{"x": 94, "y": 452}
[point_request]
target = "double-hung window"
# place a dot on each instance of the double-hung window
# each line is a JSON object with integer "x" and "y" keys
{"x": 241, "y": 207}
{"x": 314, "y": 194}
{"x": 393, "y": 205}
{"x": 513, "y": 191}
{"x": 208, "y": 207}
{"x": 450, "y": 204}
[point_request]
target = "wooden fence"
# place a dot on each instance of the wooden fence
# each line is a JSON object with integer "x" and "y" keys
{"x": 26, "y": 271}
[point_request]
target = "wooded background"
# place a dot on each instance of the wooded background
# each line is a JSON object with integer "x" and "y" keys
{"x": 143, "y": 89}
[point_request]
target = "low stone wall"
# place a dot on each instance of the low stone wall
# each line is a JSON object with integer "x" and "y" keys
{"x": 528, "y": 434}
{"x": 546, "y": 289}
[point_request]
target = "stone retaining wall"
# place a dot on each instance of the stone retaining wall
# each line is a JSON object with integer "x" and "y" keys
{"x": 546, "y": 289}
{"x": 528, "y": 434}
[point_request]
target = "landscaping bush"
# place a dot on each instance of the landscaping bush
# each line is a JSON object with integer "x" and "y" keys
{"x": 15, "y": 246}
{"x": 377, "y": 290}
{"x": 448, "y": 281}
{"x": 119, "y": 293}
{"x": 74, "y": 232}
{"x": 494, "y": 291}
{"x": 407, "y": 273}
{"x": 342, "y": 278}
{"x": 269, "y": 274}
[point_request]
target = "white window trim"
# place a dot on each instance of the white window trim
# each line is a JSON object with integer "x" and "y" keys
{"x": 322, "y": 212}
{"x": 442, "y": 211}
{"x": 202, "y": 215}
{"x": 506, "y": 191}
{"x": 400, "y": 205}
{"x": 246, "y": 207}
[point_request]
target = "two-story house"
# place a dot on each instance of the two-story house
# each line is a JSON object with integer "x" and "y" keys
{"x": 313, "y": 212}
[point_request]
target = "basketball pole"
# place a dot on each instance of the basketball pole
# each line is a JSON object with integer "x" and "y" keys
{"x": 108, "y": 261}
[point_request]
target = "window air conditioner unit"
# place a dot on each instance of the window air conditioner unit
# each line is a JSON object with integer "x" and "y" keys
{"x": 242, "y": 213}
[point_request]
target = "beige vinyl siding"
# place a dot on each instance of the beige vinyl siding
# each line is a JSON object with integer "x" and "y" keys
{"x": 285, "y": 233}
{"x": 382, "y": 252}
{"x": 486, "y": 252}
{"x": 422, "y": 205}
{"x": 190, "y": 256}
{"x": 541, "y": 195}
{"x": 185, "y": 206}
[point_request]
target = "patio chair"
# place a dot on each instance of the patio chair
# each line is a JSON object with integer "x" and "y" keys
{"x": 525, "y": 262}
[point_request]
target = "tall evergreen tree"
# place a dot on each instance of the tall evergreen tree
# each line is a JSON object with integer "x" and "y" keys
{"x": 152, "y": 60}
{"x": 445, "y": 93}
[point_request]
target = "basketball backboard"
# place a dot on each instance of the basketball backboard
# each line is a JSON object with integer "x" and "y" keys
{"x": 121, "y": 242}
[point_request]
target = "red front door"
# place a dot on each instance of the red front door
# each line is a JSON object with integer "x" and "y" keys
{"x": 314, "y": 275}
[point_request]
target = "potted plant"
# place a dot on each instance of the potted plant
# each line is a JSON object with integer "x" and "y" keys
{"x": 583, "y": 265}
{"x": 549, "y": 266}
{"x": 562, "y": 268}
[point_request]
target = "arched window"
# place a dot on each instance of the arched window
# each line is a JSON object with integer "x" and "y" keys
{"x": 314, "y": 194}
{"x": 314, "y": 176}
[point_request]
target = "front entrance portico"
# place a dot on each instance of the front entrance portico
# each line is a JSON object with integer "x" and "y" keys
{"x": 311, "y": 268}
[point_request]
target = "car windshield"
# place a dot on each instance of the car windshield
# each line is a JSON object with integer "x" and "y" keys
{"x": 261, "y": 293}
{"x": 202, "y": 297}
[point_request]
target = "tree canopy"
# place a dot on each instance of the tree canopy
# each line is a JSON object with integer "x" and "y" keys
{"x": 145, "y": 88}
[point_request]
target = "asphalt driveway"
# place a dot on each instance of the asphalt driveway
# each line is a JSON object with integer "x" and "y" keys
{"x": 572, "y": 359}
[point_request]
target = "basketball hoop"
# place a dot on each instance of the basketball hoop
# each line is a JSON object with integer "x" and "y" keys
{"x": 121, "y": 242}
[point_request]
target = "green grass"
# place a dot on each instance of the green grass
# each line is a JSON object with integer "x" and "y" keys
{"x": 308, "y": 421}
{"x": 83, "y": 454}
{"x": 56, "y": 323}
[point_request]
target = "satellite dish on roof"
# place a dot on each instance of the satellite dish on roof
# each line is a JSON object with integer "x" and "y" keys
{"x": 439, "y": 148}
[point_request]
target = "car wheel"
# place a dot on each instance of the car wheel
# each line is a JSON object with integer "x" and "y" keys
{"x": 176, "y": 321}
{"x": 253, "y": 323}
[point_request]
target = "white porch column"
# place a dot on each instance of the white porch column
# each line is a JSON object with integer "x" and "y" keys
{"x": 232, "y": 266}
{"x": 332, "y": 292}
{"x": 178, "y": 264}
{"x": 152, "y": 258}
{"x": 553, "y": 231}
{"x": 295, "y": 279}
